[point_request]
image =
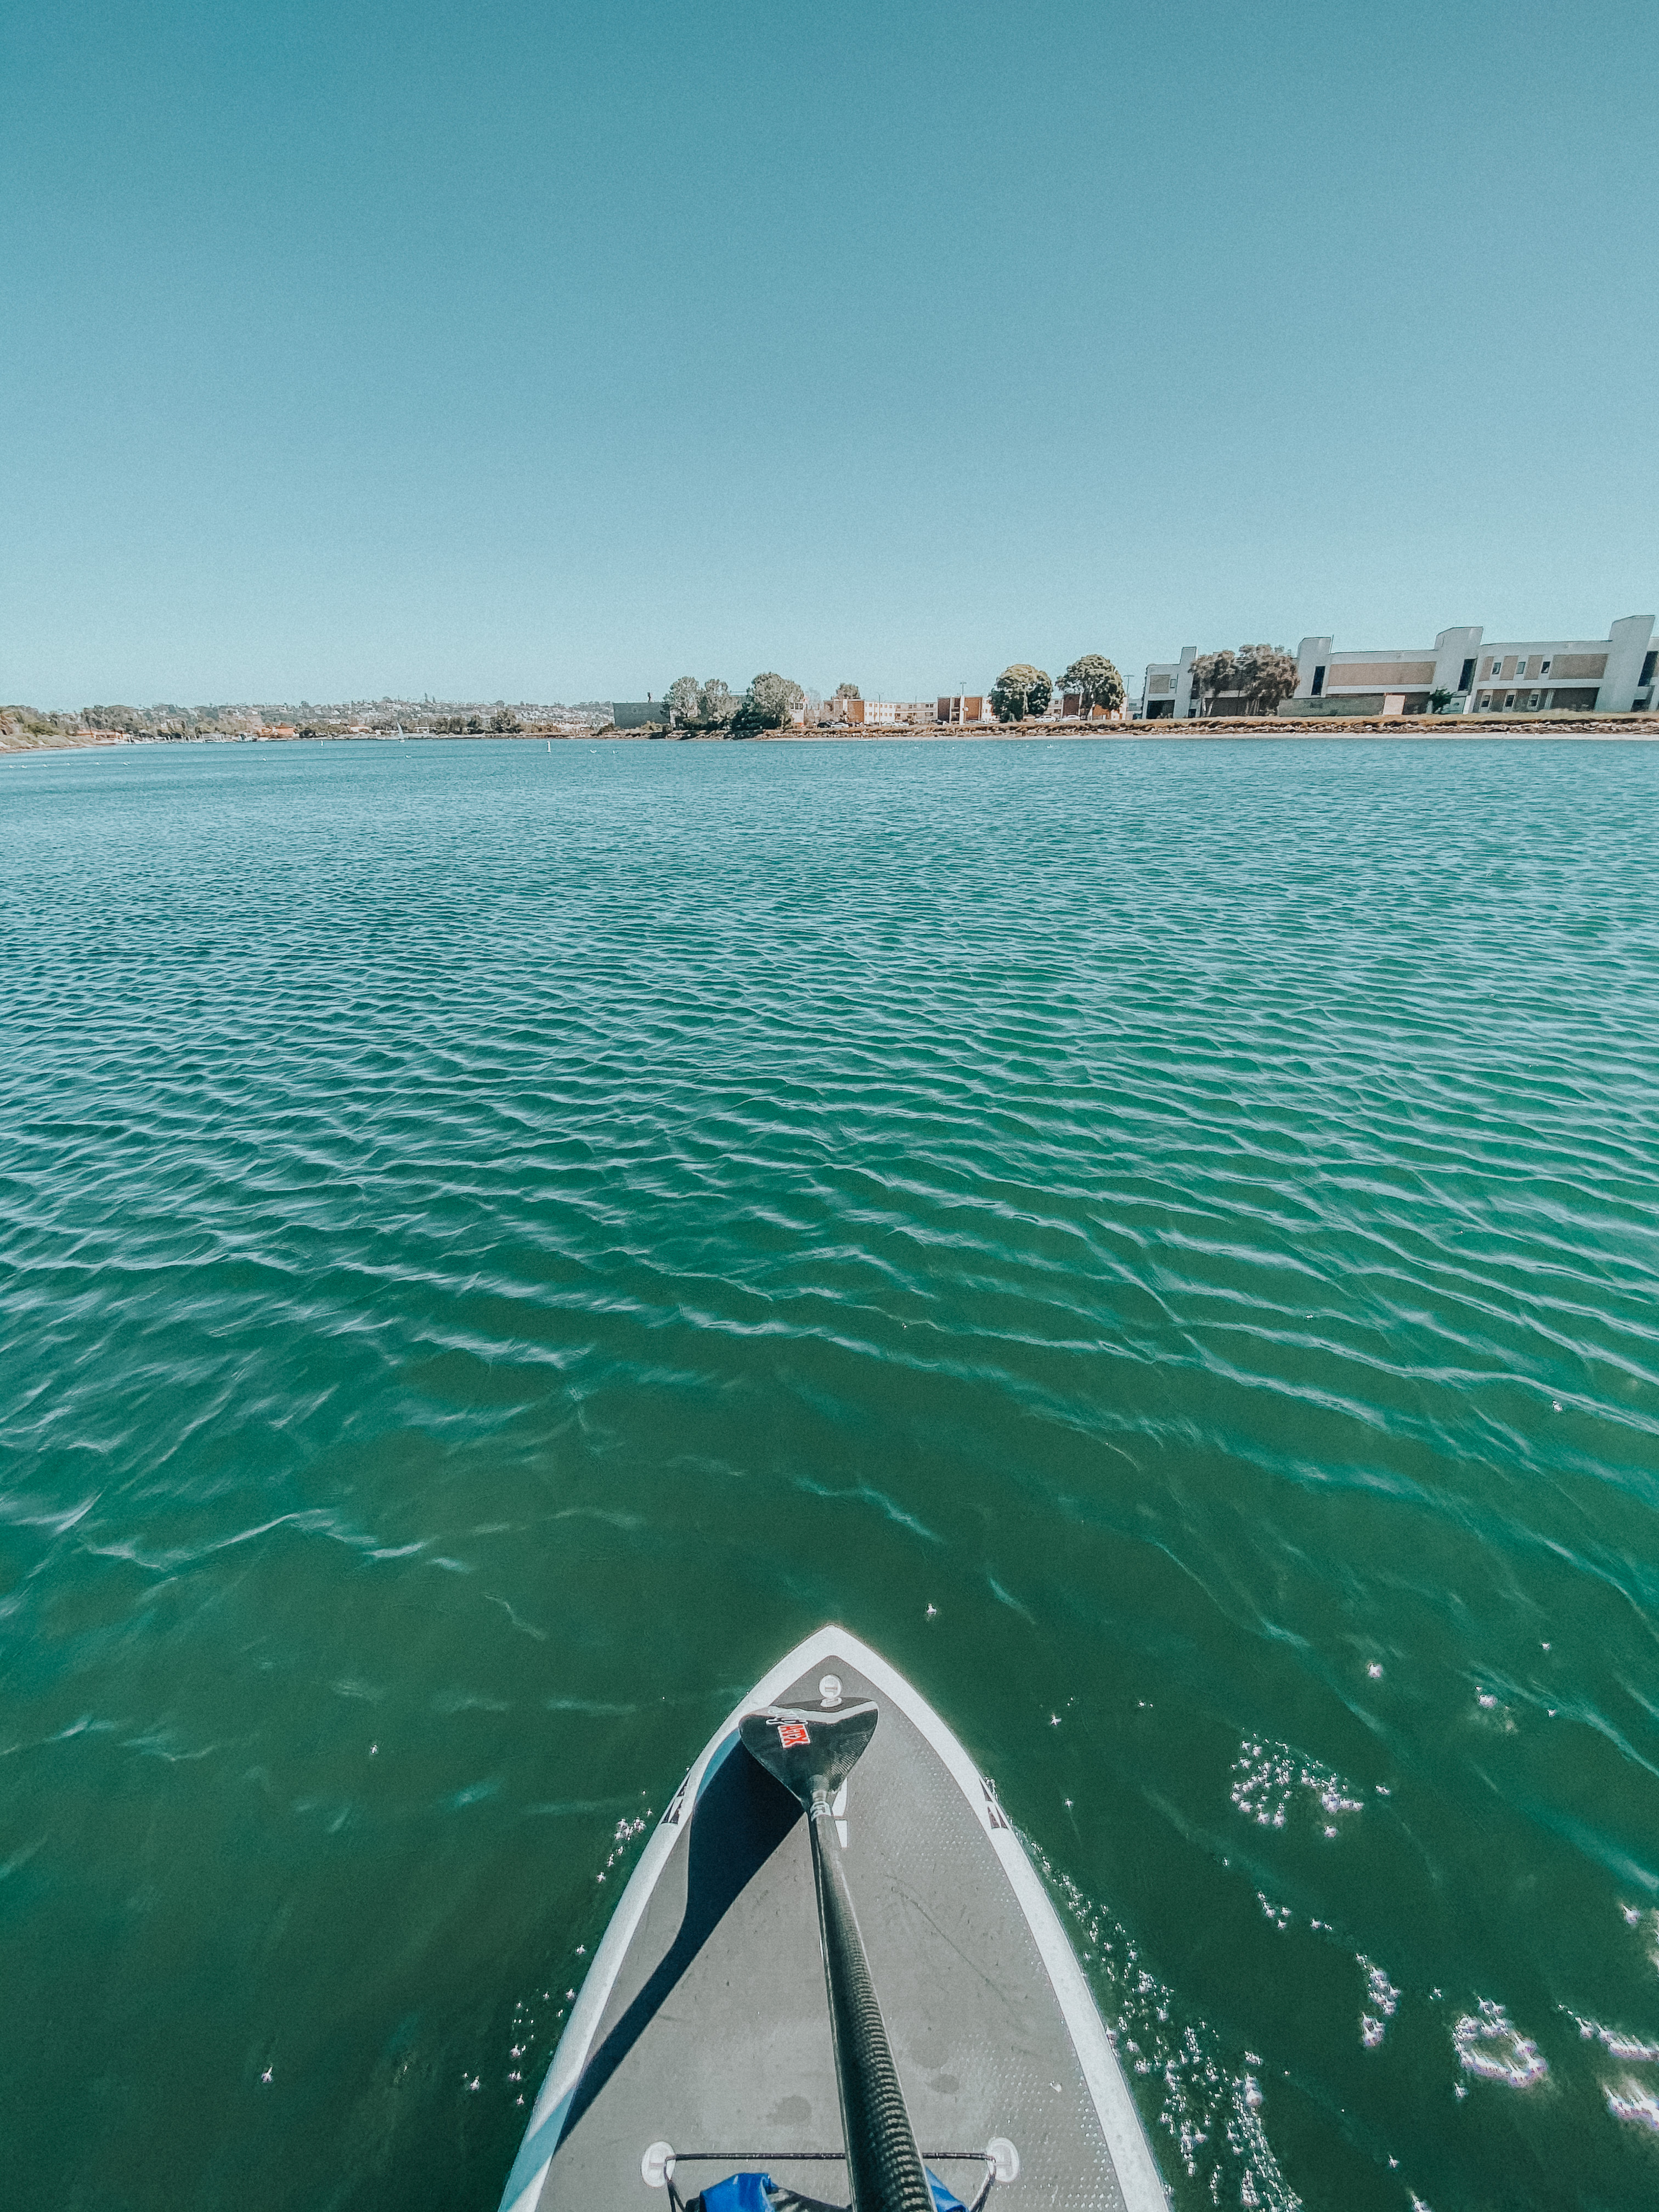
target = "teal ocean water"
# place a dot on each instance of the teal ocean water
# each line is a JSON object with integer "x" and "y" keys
{"x": 494, "y": 1246}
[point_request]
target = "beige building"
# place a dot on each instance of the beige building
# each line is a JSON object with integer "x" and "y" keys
{"x": 1610, "y": 675}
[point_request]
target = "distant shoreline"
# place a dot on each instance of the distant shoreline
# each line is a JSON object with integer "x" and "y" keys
{"x": 1431, "y": 729}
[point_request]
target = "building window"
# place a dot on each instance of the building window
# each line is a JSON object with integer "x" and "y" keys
{"x": 1509, "y": 701}
{"x": 1532, "y": 698}
{"x": 1543, "y": 667}
{"x": 1483, "y": 703}
{"x": 1468, "y": 677}
{"x": 1647, "y": 668}
{"x": 1319, "y": 681}
{"x": 1520, "y": 666}
{"x": 1495, "y": 668}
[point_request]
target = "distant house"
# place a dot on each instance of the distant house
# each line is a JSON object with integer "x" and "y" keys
{"x": 638, "y": 714}
{"x": 1166, "y": 689}
{"x": 1074, "y": 707}
{"x": 963, "y": 710}
{"x": 876, "y": 714}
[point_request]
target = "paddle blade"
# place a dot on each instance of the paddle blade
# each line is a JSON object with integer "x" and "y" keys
{"x": 808, "y": 1751}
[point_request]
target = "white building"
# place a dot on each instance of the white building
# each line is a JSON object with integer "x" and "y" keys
{"x": 1166, "y": 689}
{"x": 1614, "y": 675}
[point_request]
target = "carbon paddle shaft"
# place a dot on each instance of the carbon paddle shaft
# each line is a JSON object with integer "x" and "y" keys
{"x": 884, "y": 2166}
{"x": 812, "y": 1753}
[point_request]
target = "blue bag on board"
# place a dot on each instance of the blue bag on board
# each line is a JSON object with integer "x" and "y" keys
{"x": 751, "y": 2192}
{"x": 738, "y": 2192}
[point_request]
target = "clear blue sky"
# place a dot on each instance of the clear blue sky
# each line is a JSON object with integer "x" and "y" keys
{"x": 553, "y": 350}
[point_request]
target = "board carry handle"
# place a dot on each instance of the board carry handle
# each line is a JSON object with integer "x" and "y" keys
{"x": 811, "y": 1752}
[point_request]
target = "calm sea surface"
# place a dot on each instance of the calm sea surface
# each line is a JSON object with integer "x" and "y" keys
{"x": 494, "y": 1247}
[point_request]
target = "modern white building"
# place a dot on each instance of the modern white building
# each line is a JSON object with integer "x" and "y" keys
{"x": 1612, "y": 675}
{"x": 1166, "y": 689}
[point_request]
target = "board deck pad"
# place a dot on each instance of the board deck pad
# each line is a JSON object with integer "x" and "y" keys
{"x": 703, "y": 2022}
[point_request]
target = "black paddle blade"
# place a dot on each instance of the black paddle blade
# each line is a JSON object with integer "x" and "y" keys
{"x": 811, "y": 1752}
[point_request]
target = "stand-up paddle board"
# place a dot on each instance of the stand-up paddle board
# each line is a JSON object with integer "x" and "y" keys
{"x": 834, "y": 1979}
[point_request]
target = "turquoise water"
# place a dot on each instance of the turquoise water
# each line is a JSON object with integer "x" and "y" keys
{"x": 494, "y": 1246}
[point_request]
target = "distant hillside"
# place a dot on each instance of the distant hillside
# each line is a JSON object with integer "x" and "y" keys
{"x": 30, "y": 722}
{"x": 23, "y": 725}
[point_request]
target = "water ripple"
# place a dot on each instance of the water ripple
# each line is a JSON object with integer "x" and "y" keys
{"x": 495, "y": 1245}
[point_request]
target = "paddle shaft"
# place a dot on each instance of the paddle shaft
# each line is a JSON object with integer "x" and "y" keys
{"x": 883, "y": 2167}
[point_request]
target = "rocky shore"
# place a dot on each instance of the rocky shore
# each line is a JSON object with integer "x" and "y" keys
{"x": 1436, "y": 729}
{"x": 1433, "y": 728}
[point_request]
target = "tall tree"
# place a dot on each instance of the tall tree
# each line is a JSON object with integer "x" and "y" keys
{"x": 1020, "y": 690}
{"x": 1098, "y": 681}
{"x": 715, "y": 705}
{"x": 770, "y": 700}
{"x": 1267, "y": 674}
{"x": 683, "y": 699}
{"x": 844, "y": 691}
{"x": 1212, "y": 674}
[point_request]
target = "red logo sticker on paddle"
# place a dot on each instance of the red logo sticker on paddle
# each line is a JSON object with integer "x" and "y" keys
{"x": 790, "y": 1733}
